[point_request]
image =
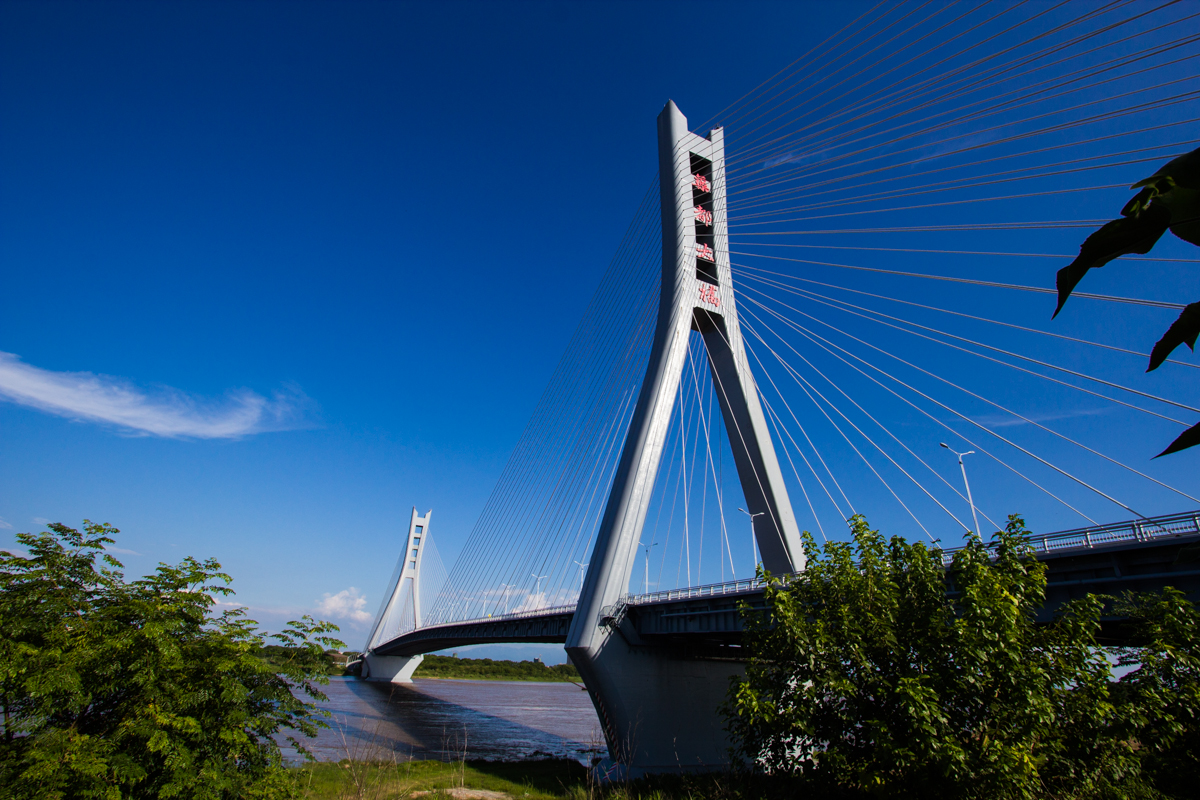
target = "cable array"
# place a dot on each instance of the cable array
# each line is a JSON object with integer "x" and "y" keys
{"x": 899, "y": 199}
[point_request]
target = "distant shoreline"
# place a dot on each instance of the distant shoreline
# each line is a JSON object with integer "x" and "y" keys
{"x": 486, "y": 669}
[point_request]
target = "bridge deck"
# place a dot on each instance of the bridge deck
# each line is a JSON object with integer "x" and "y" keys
{"x": 1141, "y": 555}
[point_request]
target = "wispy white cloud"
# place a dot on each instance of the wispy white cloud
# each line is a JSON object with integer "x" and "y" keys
{"x": 122, "y": 551}
{"x": 166, "y": 412}
{"x": 347, "y": 604}
{"x": 4, "y": 524}
{"x": 795, "y": 158}
{"x": 1008, "y": 420}
{"x": 41, "y": 521}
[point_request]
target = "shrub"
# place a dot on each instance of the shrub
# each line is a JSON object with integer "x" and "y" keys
{"x": 115, "y": 688}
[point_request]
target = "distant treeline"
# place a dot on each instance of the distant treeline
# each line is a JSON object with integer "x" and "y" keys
{"x": 488, "y": 669}
{"x": 280, "y": 655}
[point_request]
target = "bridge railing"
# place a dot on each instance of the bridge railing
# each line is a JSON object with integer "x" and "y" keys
{"x": 1141, "y": 530}
{"x": 512, "y": 615}
{"x": 708, "y": 590}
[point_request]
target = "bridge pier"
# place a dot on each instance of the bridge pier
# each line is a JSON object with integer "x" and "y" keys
{"x": 658, "y": 705}
{"x": 391, "y": 669}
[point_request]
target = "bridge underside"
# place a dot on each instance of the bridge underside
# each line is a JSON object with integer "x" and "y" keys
{"x": 550, "y": 628}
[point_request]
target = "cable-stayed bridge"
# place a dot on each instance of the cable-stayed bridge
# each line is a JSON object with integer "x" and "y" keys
{"x": 852, "y": 265}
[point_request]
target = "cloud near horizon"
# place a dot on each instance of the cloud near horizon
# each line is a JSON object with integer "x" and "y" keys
{"x": 168, "y": 413}
{"x": 347, "y": 604}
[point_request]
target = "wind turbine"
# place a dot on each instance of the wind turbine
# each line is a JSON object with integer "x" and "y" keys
{"x": 538, "y": 578}
{"x": 506, "y": 587}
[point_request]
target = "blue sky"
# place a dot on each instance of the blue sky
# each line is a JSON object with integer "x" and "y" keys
{"x": 329, "y": 252}
{"x": 273, "y": 273}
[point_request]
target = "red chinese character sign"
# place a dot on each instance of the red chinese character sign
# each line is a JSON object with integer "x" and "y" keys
{"x": 703, "y": 216}
{"x": 705, "y": 251}
{"x": 700, "y": 182}
{"x": 708, "y": 294}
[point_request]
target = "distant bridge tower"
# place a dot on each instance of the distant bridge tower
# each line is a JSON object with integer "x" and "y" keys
{"x": 658, "y": 705}
{"x": 401, "y": 608}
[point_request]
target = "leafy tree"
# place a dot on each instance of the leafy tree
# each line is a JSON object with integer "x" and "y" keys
{"x": 1168, "y": 200}
{"x": 1162, "y": 694}
{"x": 118, "y": 689}
{"x": 877, "y": 670}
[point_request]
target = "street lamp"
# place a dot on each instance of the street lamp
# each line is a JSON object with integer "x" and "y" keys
{"x": 966, "y": 483}
{"x": 646, "y": 577}
{"x": 753, "y": 541}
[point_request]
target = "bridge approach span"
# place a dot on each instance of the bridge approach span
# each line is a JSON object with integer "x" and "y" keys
{"x": 704, "y": 622}
{"x": 544, "y": 626}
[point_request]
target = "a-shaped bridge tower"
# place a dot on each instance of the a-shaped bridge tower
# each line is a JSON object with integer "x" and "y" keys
{"x": 658, "y": 703}
{"x": 657, "y": 698}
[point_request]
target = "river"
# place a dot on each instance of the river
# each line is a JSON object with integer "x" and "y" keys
{"x": 445, "y": 719}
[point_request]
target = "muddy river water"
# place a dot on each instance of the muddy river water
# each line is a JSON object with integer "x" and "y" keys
{"x": 445, "y": 719}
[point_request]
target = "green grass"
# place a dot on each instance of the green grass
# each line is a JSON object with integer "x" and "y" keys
{"x": 523, "y": 780}
{"x": 485, "y": 669}
{"x": 535, "y": 780}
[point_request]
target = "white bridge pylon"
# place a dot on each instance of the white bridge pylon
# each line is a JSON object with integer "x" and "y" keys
{"x": 697, "y": 295}
{"x": 400, "y": 610}
{"x": 655, "y": 707}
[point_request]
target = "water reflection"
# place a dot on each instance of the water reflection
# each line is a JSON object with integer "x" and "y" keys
{"x": 447, "y": 719}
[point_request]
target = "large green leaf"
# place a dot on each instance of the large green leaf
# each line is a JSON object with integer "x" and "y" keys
{"x": 1182, "y": 331}
{"x": 1177, "y": 186}
{"x": 1182, "y": 171}
{"x": 1189, "y": 438}
{"x": 1170, "y": 198}
{"x": 1135, "y": 234}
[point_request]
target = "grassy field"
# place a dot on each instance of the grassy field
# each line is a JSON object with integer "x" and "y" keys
{"x": 535, "y": 780}
{"x": 525, "y": 780}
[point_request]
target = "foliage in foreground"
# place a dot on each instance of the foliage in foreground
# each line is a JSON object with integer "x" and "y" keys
{"x": 120, "y": 689}
{"x": 1168, "y": 200}
{"x": 496, "y": 670}
{"x": 869, "y": 676}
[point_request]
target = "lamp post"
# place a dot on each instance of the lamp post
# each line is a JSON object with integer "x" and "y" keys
{"x": 646, "y": 576}
{"x": 753, "y": 541}
{"x": 966, "y": 483}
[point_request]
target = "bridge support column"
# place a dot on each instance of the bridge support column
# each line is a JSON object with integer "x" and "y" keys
{"x": 391, "y": 669}
{"x": 659, "y": 706}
